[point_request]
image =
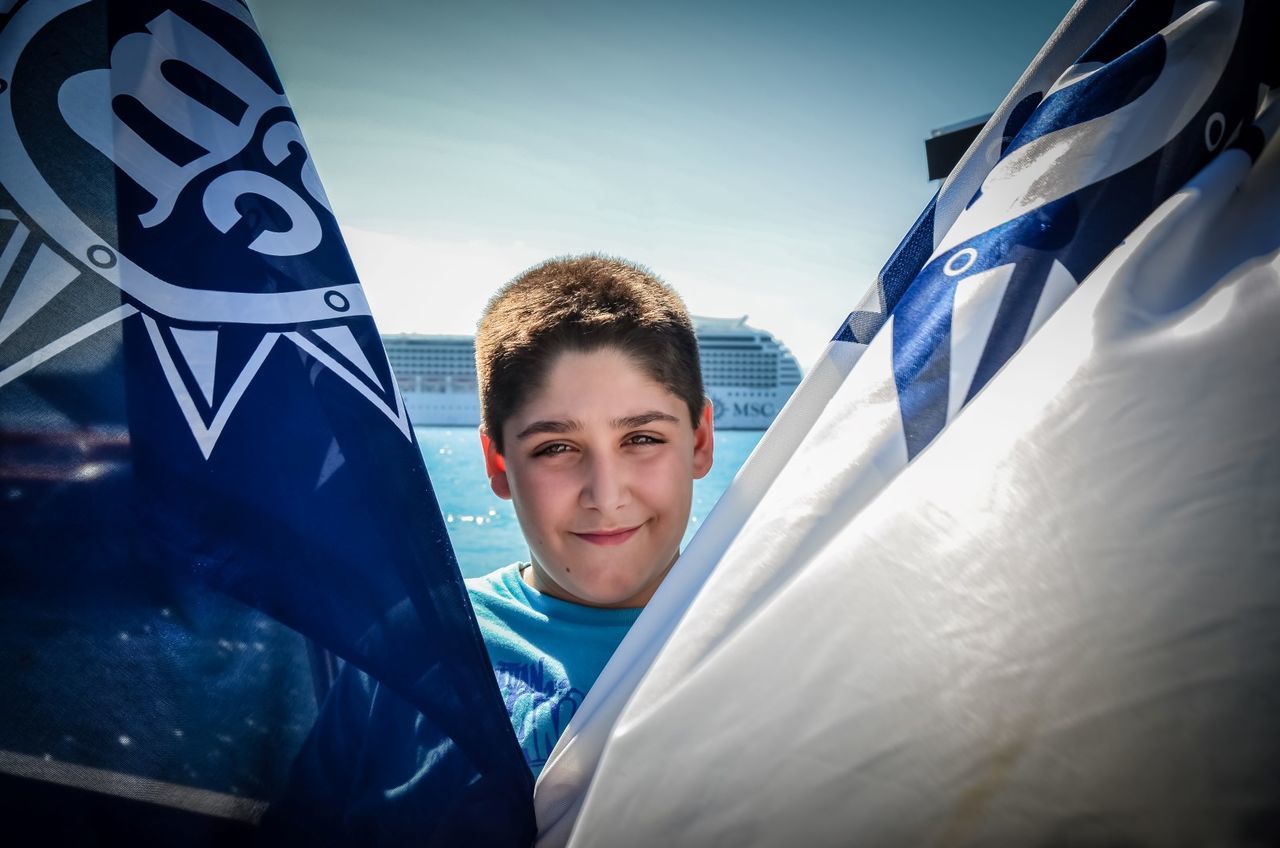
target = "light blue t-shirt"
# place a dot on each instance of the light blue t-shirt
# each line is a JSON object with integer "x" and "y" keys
{"x": 545, "y": 652}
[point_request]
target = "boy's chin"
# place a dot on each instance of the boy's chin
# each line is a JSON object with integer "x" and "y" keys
{"x": 604, "y": 580}
{"x": 633, "y": 594}
{"x": 612, "y": 593}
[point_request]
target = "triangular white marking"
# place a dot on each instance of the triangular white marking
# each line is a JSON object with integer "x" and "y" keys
{"x": 397, "y": 416}
{"x": 333, "y": 460}
{"x": 47, "y": 275}
{"x": 58, "y": 345}
{"x": 345, "y": 343}
{"x": 200, "y": 350}
{"x": 206, "y": 436}
{"x": 1058, "y": 286}
{"x": 976, "y": 303}
{"x": 11, "y": 249}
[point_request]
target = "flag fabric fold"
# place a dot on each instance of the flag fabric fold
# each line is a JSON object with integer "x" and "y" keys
{"x": 210, "y": 493}
{"x": 1120, "y": 109}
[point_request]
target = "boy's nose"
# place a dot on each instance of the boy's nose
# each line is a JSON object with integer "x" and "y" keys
{"x": 605, "y": 487}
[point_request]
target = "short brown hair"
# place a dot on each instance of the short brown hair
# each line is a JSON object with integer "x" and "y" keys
{"x": 582, "y": 303}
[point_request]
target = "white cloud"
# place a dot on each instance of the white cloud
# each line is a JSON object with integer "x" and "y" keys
{"x": 419, "y": 285}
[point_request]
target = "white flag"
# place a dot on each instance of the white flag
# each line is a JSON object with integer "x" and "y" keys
{"x": 1059, "y": 626}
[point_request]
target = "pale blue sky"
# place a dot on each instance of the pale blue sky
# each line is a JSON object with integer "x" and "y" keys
{"x": 763, "y": 158}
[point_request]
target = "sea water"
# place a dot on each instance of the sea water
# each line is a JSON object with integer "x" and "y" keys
{"x": 483, "y": 527}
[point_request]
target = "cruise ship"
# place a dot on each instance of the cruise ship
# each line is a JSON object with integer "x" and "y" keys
{"x": 748, "y": 374}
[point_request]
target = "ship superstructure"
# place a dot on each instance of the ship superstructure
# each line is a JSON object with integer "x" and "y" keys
{"x": 747, "y": 373}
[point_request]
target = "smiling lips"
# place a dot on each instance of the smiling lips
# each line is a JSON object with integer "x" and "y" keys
{"x": 608, "y": 537}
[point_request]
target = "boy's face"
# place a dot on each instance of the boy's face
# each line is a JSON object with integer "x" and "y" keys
{"x": 600, "y": 465}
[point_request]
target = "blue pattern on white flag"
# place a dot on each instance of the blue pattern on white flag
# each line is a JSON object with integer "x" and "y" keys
{"x": 1065, "y": 208}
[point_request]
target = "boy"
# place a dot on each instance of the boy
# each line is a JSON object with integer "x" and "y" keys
{"x": 594, "y": 424}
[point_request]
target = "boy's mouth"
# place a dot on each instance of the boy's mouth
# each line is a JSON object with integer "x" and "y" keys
{"x": 608, "y": 537}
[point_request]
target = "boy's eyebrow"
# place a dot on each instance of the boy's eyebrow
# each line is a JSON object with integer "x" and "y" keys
{"x": 642, "y": 419}
{"x": 562, "y": 426}
{"x": 569, "y": 425}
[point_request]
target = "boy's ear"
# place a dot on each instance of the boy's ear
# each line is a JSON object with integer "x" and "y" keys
{"x": 495, "y": 467}
{"x": 703, "y": 442}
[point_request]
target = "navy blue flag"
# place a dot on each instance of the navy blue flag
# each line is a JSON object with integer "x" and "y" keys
{"x": 209, "y": 488}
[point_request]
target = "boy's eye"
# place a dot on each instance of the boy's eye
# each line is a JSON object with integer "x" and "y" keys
{"x": 553, "y": 449}
{"x": 644, "y": 439}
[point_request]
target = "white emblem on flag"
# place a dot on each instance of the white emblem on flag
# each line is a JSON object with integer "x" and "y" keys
{"x": 235, "y": 138}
